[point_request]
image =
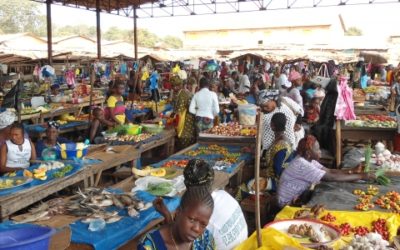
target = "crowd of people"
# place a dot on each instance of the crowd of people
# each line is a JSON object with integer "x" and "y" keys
{"x": 291, "y": 104}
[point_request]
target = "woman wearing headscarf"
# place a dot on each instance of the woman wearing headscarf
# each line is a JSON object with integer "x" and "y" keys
{"x": 185, "y": 125}
{"x": 271, "y": 103}
{"x": 7, "y": 118}
{"x": 52, "y": 138}
{"x": 305, "y": 170}
{"x": 293, "y": 92}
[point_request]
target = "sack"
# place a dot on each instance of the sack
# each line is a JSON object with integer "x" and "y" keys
{"x": 322, "y": 78}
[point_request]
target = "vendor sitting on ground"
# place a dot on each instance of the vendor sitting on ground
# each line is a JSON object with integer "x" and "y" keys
{"x": 115, "y": 104}
{"x": 188, "y": 230}
{"x": 279, "y": 154}
{"x": 52, "y": 138}
{"x": 99, "y": 124}
{"x": 305, "y": 170}
{"x": 17, "y": 152}
{"x": 227, "y": 223}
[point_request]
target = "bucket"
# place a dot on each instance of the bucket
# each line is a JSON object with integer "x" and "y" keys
{"x": 247, "y": 114}
{"x": 27, "y": 238}
{"x": 70, "y": 151}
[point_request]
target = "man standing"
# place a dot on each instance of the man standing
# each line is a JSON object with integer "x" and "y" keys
{"x": 204, "y": 106}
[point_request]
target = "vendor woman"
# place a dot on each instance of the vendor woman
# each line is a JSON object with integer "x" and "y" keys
{"x": 52, "y": 138}
{"x": 305, "y": 170}
{"x": 115, "y": 104}
{"x": 17, "y": 152}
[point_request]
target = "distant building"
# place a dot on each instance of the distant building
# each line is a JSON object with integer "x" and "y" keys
{"x": 308, "y": 31}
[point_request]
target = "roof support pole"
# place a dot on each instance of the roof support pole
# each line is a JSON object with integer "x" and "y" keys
{"x": 98, "y": 29}
{"x": 135, "y": 41}
{"x": 49, "y": 33}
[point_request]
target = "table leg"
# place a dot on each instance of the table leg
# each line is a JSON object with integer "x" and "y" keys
{"x": 338, "y": 144}
{"x": 170, "y": 146}
{"x": 98, "y": 177}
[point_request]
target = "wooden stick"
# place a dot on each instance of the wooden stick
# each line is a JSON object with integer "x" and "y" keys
{"x": 338, "y": 143}
{"x": 257, "y": 178}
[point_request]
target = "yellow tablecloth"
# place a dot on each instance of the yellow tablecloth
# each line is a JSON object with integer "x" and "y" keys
{"x": 275, "y": 240}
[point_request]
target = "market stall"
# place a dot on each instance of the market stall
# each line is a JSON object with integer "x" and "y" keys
{"x": 14, "y": 199}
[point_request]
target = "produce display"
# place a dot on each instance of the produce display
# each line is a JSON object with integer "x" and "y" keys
{"x": 63, "y": 171}
{"x": 371, "y": 241}
{"x": 373, "y": 121}
{"x": 159, "y": 189}
{"x": 232, "y": 129}
{"x": 175, "y": 163}
{"x": 308, "y": 231}
{"x": 51, "y": 165}
{"x": 226, "y": 156}
{"x": 368, "y": 200}
{"x": 134, "y": 138}
{"x": 11, "y": 182}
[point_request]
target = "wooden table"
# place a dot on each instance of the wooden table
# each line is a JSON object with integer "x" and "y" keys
{"x": 12, "y": 203}
{"x": 228, "y": 140}
{"x": 361, "y": 133}
{"x": 167, "y": 139}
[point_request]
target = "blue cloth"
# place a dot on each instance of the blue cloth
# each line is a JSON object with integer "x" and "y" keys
{"x": 251, "y": 99}
{"x": 118, "y": 233}
{"x": 154, "y": 80}
{"x": 40, "y": 145}
{"x": 77, "y": 166}
{"x": 364, "y": 81}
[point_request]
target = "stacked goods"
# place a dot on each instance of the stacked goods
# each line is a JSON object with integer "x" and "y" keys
{"x": 373, "y": 121}
{"x": 232, "y": 129}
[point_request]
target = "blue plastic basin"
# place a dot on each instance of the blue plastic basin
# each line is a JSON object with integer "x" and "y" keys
{"x": 27, "y": 238}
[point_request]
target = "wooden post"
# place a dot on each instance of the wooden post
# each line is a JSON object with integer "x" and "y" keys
{"x": 257, "y": 177}
{"x": 135, "y": 42}
{"x": 338, "y": 143}
{"x": 49, "y": 33}
{"x": 98, "y": 29}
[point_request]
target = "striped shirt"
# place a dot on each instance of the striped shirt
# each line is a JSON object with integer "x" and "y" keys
{"x": 297, "y": 178}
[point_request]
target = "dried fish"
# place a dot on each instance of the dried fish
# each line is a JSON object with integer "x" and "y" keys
{"x": 132, "y": 212}
{"x": 113, "y": 219}
{"x": 117, "y": 202}
{"x": 147, "y": 206}
{"x": 34, "y": 217}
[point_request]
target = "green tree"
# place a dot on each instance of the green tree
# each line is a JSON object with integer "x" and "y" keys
{"x": 173, "y": 42}
{"x": 70, "y": 30}
{"x": 353, "y": 31}
{"x": 21, "y": 16}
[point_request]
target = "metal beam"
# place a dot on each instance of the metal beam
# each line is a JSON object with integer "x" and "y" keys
{"x": 49, "y": 33}
{"x": 98, "y": 29}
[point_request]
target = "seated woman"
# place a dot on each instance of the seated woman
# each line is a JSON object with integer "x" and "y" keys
{"x": 17, "y": 152}
{"x": 115, "y": 104}
{"x": 305, "y": 170}
{"x": 52, "y": 138}
{"x": 279, "y": 154}
{"x": 188, "y": 231}
{"x": 98, "y": 125}
{"x": 227, "y": 223}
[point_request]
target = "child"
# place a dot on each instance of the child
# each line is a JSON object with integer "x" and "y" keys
{"x": 188, "y": 230}
{"x": 17, "y": 152}
{"x": 313, "y": 111}
{"x": 98, "y": 125}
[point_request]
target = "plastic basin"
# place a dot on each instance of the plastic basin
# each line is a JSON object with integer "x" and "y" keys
{"x": 27, "y": 238}
{"x": 71, "y": 152}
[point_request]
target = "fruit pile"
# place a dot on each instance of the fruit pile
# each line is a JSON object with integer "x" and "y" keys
{"x": 212, "y": 149}
{"x": 373, "y": 121}
{"x": 328, "y": 218}
{"x": 232, "y": 129}
{"x": 135, "y": 138}
{"x": 389, "y": 201}
{"x": 379, "y": 226}
{"x": 174, "y": 163}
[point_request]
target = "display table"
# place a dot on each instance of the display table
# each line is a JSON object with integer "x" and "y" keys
{"x": 361, "y": 133}
{"x": 21, "y": 199}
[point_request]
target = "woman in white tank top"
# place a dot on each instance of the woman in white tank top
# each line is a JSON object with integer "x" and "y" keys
{"x": 17, "y": 152}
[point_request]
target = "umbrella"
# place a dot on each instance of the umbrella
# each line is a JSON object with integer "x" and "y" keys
{"x": 374, "y": 58}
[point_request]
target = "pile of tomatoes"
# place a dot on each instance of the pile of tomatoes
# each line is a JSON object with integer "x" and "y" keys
{"x": 328, "y": 218}
{"x": 389, "y": 201}
{"x": 379, "y": 226}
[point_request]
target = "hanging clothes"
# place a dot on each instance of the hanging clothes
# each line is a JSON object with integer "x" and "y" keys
{"x": 124, "y": 69}
{"x": 70, "y": 78}
{"x": 344, "y": 104}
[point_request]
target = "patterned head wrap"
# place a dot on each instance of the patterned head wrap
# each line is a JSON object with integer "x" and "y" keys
{"x": 176, "y": 81}
{"x": 198, "y": 173}
{"x": 268, "y": 95}
{"x": 6, "y": 119}
{"x": 306, "y": 145}
{"x": 53, "y": 124}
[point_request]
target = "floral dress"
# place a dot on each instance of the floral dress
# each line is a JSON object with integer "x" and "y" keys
{"x": 154, "y": 241}
{"x": 185, "y": 128}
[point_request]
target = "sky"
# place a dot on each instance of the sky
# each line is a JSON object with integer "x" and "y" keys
{"x": 374, "y": 20}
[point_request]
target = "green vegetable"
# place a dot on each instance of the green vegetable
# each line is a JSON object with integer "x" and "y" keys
{"x": 159, "y": 189}
{"x": 120, "y": 130}
{"x": 383, "y": 180}
{"x": 62, "y": 172}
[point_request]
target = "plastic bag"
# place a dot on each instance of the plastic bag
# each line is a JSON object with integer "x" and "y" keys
{"x": 177, "y": 184}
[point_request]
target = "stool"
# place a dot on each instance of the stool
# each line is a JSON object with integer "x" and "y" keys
{"x": 248, "y": 205}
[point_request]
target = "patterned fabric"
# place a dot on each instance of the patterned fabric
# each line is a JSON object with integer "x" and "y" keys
{"x": 154, "y": 241}
{"x": 267, "y": 95}
{"x": 7, "y": 118}
{"x": 297, "y": 178}
{"x": 119, "y": 108}
{"x": 277, "y": 158}
{"x": 186, "y": 132}
{"x": 268, "y": 134}
{"x": 203, "y": 123}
